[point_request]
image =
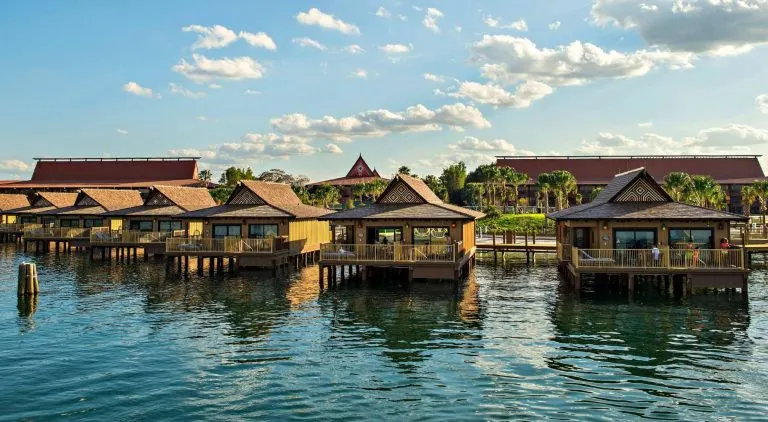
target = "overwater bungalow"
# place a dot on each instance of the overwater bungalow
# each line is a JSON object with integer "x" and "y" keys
{"x": 262, "y": 224}
{"x": 32, "y": 216}
{"x": 148, "y": 226}
{"x": 633, "y": 231}
{"x": 71, "y": 225}
{"x": 408, "y": 228}
{"x": 8, "y": 225}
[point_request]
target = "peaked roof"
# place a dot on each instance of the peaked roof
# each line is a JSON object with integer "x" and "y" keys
{"x": 360, "y": 173}
{"x": 110, "y": 199}
{"x": 257, "y": 199}
{"x": 11, "y": 201}
{"x": 361, "y": 169}
{"x": 188, "y": 199}
{"x": 635, "y": 195}
{"x": 56, "y": 199}
{"x": 406, "y": 198}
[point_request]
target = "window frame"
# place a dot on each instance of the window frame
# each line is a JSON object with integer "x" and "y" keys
{"x": 689, "y": 229}
{"x": 262, "y": 226}
{"x": 635, "y": 230}
{"x": 431, "y": 238}
{"x": 135, "y": 225}
{"x": 228, "y": 226}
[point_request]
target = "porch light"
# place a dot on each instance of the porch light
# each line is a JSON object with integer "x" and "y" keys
{"x": 663, "y": 227}
{"x": 453, "y": 225}
{"x": 605, "y": 227}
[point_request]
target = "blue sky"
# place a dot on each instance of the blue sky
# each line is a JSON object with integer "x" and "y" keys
{"x": 308, "y": 85}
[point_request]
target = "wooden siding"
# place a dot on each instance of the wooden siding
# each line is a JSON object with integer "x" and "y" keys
{"x": 468, "y": 233}
{"x": 307, "y": 235}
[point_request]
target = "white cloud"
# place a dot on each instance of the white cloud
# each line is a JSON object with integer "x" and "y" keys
{"x": 359, "y": 73}
{"x": 525, "y": 94}
{"x": 324, "y": 20}
{"x": 383, "y": 13}
{"x": 353, "y": 49}
{"x": 732, "y": 135}
{"x": 470, "y": 143}
{"x": 518, "y": 25}
{"x": 333, "y": 149}
{"x": 13, "y": 165}
{"x": 434, "y": 78}
{"x": 457, "y": 28}
{"x": 205, "y": 69}
{"x": 180, "y": 90}
{"x": 554, "y": 26}
{"x": 209, "y": 37}
{"x": 259, "y": 39}
{"x": 645, "y": 124}
{"x": 378, "y": 123}
{"x": 715, "y": 27}
{"x": 202, "y": 118}
{"x": 430, "y": 19}
{"x": 136, "y": 89}
{"x": 214, "y": 86}
{"x": 395, "y": 48}
{"x": 309, "y": 42}
{"x": 402, "y": 17}
{"x": 507, "y": 60}
{"x": 122, "y": 131}
{"x": 762, "y": 103}
{"x": 251, "y": 92}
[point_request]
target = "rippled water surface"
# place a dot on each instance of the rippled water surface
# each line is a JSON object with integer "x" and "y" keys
{"x": 117, "y": 341}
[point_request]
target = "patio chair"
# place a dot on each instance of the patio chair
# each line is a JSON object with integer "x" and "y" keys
{"x": 587, "y": 259}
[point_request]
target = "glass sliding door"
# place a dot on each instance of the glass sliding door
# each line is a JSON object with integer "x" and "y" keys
{"x": 700, "y": 238}
{"x": 221, "y": 231}
{"x": 581, "y": 237}
{"x": 141, "y": 225}
{"x": 262, "y": 231}
{"x": 385, "y": 235}
{"x": 634, "y": 239}
{"x": 431, "y": 236}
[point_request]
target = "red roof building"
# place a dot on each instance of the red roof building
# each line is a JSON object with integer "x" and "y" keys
{"x": 731, "y": 171}
{"x": 108, "y": 173}
{"x": 360, "y": 173}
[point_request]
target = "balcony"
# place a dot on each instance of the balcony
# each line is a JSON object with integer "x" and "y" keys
{"x": 225, "y": 246}
{"x": 57, "y": 233}
{"x": 389, "y": 254}
{"x": 103, "y": 236}
{"x": 673, "y": 260}
{"x": 18, "y": 227}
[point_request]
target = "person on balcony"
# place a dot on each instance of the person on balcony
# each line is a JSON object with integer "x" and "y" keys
{"x": 656, "y": 254}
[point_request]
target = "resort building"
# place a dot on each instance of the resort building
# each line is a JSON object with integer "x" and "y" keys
{"x": 360, "y": 173}
{"x": 41, "y": 203}
{"x": 732, "y": 172}
{"x": 263, "y": 224}
{"x": 407, "y": 228}
{"x": 73, "y": 174}
{"x": 149, "y": 225}
{"x": 9, "y": 228}
{"x": 71, "y": 225}
{"x": 633, "y": 228}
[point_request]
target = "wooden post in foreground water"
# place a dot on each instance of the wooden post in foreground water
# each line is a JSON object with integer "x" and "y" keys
{"x": 28, "y": 284}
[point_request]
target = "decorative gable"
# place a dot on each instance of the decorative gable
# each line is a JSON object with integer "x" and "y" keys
{"x": 159, "y": 200}
{"x": 360, "y": 169}
{"x": 641, "y": 190}
{"x": 246, "y": 197}
{"x": 42, "y": 202}
{"x": 400, "y": 193}
{"x": 87, "y": 201}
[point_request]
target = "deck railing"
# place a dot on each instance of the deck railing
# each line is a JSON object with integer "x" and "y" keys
{"x": 388, "y": 253}
{"x": 105, "y": 236}
{"x": 229, "y": 245}
{"x": 43, "y": 233}
{"x": 705, "y": 259}
{"x": 18, "y": 227}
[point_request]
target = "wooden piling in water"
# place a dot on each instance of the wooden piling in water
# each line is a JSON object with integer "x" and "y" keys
{"x": 28, "y": 283}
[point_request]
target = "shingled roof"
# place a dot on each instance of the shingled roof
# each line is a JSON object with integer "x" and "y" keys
{"x": 257, "y": 199}
{"x": 407, "y": 198}
{"x": 99, "y": 201}
{"x": 168, "y": 201}
{"x": 43, "y": 202}
{"x": 359, "y": 174}
{"x": 12, "y": 201}
{"x": 635, "y": 195}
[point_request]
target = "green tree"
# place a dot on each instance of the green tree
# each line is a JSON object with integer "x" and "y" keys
{"x": 205, "y": 177}
{"x": 514, "y": 179}
{"x": 476, "y": 192}
{"x": 488, "y": 175}
{"x": 677, "y": 184}
{"x": 436, "y": 185}
{"x": 703, "y": 191}
{"x": 326, "y": 195}
{"x": 454, "y": 177}
{"x": 376, "y": 188}
{"x": 761, "y": 191}
{"x": 595, "y": 192}
{"x": 748, "y": 197}
{"x": 404, "y": 170}
{"x": 544, "y": 185}
{"x": 563, "y": 183}
{"x": 222, "y": 193}
{"x": 232, "y": 175}
{"x": 359, "y": 191}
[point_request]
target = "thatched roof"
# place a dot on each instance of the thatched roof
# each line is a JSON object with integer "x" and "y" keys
{"x": 407, "y": 198}
{"x": 56, "y": 199}
{"x": 189, "y": 199}
{"x": 635, "y": 195}
{"x": 112, "y": 199}
{"x": 12, "y": 201}
{"x": 257, "y": 199}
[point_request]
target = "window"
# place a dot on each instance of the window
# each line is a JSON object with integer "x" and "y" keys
{"x": 141, "y": 225}
{"x": 28, "y": 220}
{"x": 261, "y": 231}
{"x": 169, "y": 226}
{"x": 634, "y": 239}
{"x": 581, "y": 237}
{"x": 69, "y": 222}
{"x": 226, "y": 230}
{"x": 431, "y": 235}
{"x": 385, "y": 235}
{"x": 92, "y": 222}
{"x": 344, "y": 235}
{"x": 701, "y": 238}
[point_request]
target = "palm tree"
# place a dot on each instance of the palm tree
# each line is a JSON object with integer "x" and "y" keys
{"x": 595, "y": 192}
{"x": 544, "y": 184}
{"x": 476, "y": 192}
{"x": 761, "y": 191}
{"x": 748, "y": 197}
{"x": 489, "y": 176}
{"x": 703, "y": 191}
{"x": 514, "y": 179}
{"x": 564, "y": 184}
{"x": 359, "y": 191}
{"x": 327, "y": 195}
{"x": 376, "y": 188}
{"x": 676, "y": 185}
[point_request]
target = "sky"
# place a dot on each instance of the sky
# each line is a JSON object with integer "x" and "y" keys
{"x": 306, "y": 86}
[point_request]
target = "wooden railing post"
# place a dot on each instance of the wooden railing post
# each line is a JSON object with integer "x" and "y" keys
{"x": 666, "y": 259}
{"x": 575, "y": 256}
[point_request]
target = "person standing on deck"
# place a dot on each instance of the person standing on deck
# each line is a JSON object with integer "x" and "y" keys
{"x": 656, "y": 254}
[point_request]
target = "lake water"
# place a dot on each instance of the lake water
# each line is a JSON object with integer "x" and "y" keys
{"x": 118, "y": 341}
